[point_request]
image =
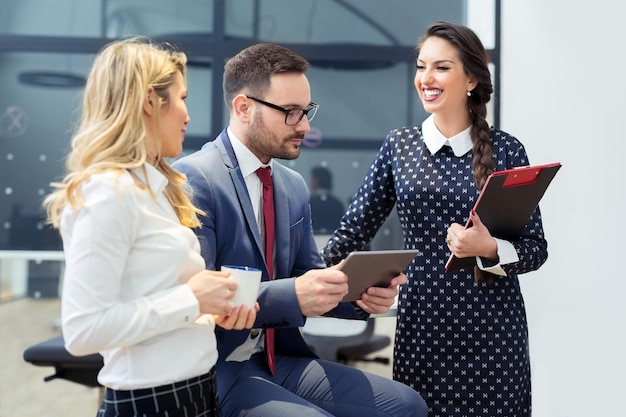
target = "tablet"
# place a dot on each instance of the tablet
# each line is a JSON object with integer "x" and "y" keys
{"x": 374, "y": 269}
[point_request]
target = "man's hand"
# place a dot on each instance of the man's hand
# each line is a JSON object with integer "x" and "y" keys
{"x": 378, "y": 300}
{"x": 320, "y": 290}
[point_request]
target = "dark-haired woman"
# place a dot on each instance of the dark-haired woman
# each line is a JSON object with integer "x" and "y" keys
{"x": 461, "y": 337}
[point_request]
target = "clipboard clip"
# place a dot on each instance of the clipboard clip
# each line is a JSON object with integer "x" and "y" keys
{"x": 523, "y": 177}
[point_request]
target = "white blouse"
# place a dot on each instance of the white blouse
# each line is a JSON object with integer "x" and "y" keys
{"x": 127, "y": 257}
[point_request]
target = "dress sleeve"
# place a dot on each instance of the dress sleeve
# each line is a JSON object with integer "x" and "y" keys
{"x": 531, "y": 247}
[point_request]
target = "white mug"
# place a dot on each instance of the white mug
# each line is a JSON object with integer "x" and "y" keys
{"x": 248, "y": 281}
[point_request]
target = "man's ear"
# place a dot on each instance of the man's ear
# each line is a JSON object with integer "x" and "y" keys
{"x": 241, "y": 108}
{"x": 149, "y": 102}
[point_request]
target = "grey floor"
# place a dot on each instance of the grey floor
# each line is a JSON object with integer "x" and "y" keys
{"x": 23, "y": 392}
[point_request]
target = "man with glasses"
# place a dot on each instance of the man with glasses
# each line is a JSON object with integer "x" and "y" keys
{"x": 270, "y": 370}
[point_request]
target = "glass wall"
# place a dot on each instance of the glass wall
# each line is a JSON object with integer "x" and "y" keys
{"x": 361, "y": 51}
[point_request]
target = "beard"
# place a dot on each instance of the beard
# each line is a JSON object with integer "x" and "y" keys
{"x": 266, "y": 145}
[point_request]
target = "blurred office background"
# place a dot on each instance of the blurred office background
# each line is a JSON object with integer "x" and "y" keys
{"x": 559, "y": 89}
{"x": 362, "y": 70}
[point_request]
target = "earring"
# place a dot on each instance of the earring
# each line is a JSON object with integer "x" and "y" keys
{"x": 469, "y": 93}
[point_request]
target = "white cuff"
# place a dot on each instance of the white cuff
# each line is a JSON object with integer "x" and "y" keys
{"x": 506, "y": 255}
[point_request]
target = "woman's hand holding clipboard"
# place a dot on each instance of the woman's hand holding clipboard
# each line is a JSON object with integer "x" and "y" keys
{"x": 507, "y": 202}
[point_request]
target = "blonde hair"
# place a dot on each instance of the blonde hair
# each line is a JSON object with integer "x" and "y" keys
{"x": 111, "y": 133}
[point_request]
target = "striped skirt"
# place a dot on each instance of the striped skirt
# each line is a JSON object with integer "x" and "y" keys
{"x": 195, "y": 397}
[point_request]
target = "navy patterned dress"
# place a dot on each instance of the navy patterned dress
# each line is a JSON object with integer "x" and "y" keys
{"x": 462, "y": 346}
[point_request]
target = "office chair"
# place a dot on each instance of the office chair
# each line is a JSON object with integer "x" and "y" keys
{"x": 344, "y": 341}
{"x": 80, "y": 369}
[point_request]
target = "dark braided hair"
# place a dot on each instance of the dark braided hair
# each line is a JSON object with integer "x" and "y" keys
{"x": 475, "y": 63}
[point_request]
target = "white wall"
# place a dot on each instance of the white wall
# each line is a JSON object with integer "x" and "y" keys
{"x": 564, "y": 96}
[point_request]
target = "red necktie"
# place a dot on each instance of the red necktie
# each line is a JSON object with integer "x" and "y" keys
{"x": 268, "y": 219}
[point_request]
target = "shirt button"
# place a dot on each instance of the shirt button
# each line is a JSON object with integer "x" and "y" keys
{"x": 254, "y": 332}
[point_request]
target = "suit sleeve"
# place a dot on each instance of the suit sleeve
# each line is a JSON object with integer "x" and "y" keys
{"x": 203, "y": 197}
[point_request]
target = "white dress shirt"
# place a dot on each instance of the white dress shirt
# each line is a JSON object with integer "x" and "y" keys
{"x": 248, "y": 164}
{"x": 127, "y": 257}
{"x": 461, "y": 143}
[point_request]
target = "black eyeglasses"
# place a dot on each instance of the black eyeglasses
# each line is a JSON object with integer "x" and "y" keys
{"x": 292, "y": 116}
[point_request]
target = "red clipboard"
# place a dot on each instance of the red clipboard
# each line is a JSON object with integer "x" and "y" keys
{"x": 506, "y": 203}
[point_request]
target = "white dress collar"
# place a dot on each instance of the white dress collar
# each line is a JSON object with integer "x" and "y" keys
{"x": 461, "y": 143}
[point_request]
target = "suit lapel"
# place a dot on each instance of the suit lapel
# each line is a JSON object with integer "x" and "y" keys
{"x": 230, "y": 160}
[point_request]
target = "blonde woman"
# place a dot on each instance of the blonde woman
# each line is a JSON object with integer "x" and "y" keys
{"x": 136, "y": 289}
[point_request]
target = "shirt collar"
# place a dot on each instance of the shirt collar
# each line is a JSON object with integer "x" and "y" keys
{"x": 151, "y": 177}
{"x": 461, "y": 143}
{"x": 248, "y": 162}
